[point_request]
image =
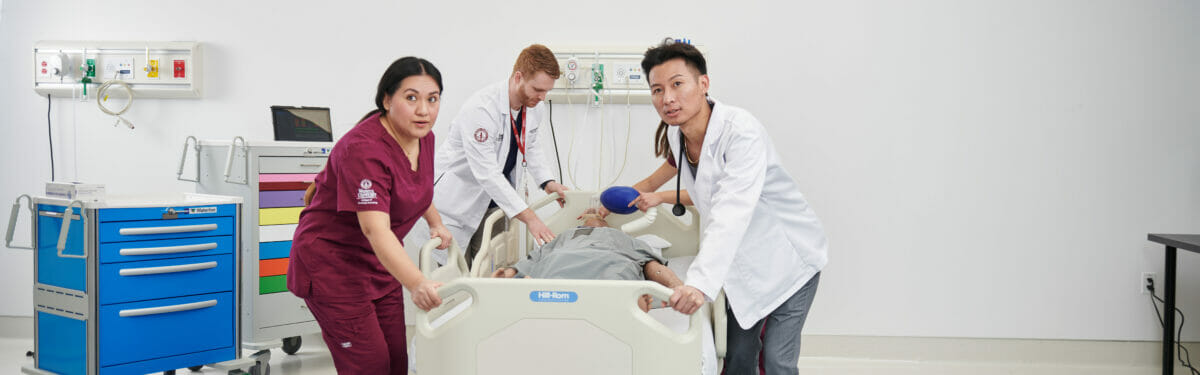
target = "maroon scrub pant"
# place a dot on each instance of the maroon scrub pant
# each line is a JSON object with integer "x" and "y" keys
{"x": 365, "y": 337}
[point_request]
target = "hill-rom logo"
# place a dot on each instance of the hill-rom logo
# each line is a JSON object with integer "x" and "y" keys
{"x": 201, "y": 210}
{"x": 553, "y": 296}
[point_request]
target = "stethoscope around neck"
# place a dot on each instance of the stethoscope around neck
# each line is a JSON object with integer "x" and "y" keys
{"x": 678, "y": 208}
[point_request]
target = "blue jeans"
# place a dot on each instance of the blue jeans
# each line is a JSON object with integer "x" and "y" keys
{"x": 779, "y": 345}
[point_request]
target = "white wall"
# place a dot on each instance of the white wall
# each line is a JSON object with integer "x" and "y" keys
{"x": 984, "y": 169}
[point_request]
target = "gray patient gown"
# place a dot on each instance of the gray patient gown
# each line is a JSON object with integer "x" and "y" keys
{"x": 592, "y": 254}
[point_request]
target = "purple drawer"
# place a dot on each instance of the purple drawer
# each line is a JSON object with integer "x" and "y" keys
{"x": 284, "y": 198}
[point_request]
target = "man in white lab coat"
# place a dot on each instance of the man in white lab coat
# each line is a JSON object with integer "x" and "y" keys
{"x": 760, "y": 240}
{"x": 494, "y": 139}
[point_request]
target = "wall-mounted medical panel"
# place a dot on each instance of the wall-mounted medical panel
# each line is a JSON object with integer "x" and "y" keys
{"x": 151, "y": 69}
{"x": 601, "y": 75}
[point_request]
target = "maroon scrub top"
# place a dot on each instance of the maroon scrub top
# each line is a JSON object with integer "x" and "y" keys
{"x": 331, "y": 259}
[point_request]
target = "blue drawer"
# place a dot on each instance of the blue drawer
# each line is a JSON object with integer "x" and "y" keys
{"x": 165, "y": 249}
{"x": 140, "y": 281}
{"x": 156, "y": 213}
{"x": 159, "y": 365}
{"x": 164, "y": 229}
{"x": 205, "y": 323}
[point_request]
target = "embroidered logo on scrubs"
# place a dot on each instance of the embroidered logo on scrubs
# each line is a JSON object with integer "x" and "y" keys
{"x": 481, "y": 135}
{"x": 346, "y": 344}
{"x": 366, "y": 195}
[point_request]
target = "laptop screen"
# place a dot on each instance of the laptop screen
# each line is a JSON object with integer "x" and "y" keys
{"x": 308, "y": 124}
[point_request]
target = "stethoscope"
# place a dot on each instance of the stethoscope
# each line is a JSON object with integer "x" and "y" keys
{"x": 678, "y": 208}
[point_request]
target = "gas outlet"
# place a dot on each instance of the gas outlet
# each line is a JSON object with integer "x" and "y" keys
{"x": 152, "y": 68}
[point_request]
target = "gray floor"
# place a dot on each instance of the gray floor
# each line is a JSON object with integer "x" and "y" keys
{"x": 313, "y": 358}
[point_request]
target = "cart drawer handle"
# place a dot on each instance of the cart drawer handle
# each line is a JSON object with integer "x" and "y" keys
{"x": 169, "y": 249}
{"x": 168, "y": 309}
{"x": 310, "y": 164}
{"x": 56, "y": 215}
{"x": 166, "y": 269}
{"x": 165, "y": 230}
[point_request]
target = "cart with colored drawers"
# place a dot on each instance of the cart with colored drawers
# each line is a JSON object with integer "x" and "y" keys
{"x": 271, "y": 177}
{"x": 134, "y": 284}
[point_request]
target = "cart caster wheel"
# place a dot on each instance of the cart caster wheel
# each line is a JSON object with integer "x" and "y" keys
{"x": 169, "y": 372}
{"x": 262, "y": 368}
{"x": 196, "y": 368}
{"x": 291, "y": 345}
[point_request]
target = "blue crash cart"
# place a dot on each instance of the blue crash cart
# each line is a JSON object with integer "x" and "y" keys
{"x": 134, "y": 285}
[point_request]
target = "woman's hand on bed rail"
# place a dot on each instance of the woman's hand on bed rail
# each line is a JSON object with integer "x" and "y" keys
{"x": 440, "y": 231}
{"x": 686, "y": 299}
{"x": 425, "y": 295}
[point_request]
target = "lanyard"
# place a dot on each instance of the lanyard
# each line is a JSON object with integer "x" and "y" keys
{"x": 520, "y": 138}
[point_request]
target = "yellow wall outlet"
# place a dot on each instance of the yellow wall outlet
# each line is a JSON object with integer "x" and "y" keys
{"x": 153, "y": 69}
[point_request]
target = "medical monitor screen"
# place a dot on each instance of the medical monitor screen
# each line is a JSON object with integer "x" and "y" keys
{"x": 307, "y": 124}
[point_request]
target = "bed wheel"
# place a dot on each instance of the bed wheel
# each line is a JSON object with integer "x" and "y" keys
{"x": 291, "y": 345}
{"x": 262, "y": 368}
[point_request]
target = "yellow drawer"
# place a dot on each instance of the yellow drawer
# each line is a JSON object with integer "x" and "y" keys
{"x": 279, "y": 216}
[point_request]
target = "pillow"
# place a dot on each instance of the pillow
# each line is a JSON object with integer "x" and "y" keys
{"x": 654, "y": 241}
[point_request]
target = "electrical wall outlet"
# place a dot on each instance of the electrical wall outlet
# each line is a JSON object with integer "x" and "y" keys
{"x": 1144, "y": 282}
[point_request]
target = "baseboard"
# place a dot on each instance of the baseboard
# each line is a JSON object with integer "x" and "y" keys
{"x": 1022, "y": 352}
{"x": 925, "y": 355}
{"x": 16, "y": 327}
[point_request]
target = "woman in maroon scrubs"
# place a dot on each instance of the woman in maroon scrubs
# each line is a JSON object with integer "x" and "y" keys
{"x": 347, "y": 260}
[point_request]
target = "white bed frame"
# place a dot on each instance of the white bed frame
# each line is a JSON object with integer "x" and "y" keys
{"x": 556, "y": 326}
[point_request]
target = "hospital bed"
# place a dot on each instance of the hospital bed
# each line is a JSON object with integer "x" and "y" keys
{"x": 506, "y": 326}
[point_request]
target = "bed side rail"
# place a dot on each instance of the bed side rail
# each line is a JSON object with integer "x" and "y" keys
{"x": 456, "y": 268}
{"x": 488, "y": 248}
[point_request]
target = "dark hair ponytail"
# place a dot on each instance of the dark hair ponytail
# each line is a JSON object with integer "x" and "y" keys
{"x": 662, "y": 147}
{"x": 399, "y": 70}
